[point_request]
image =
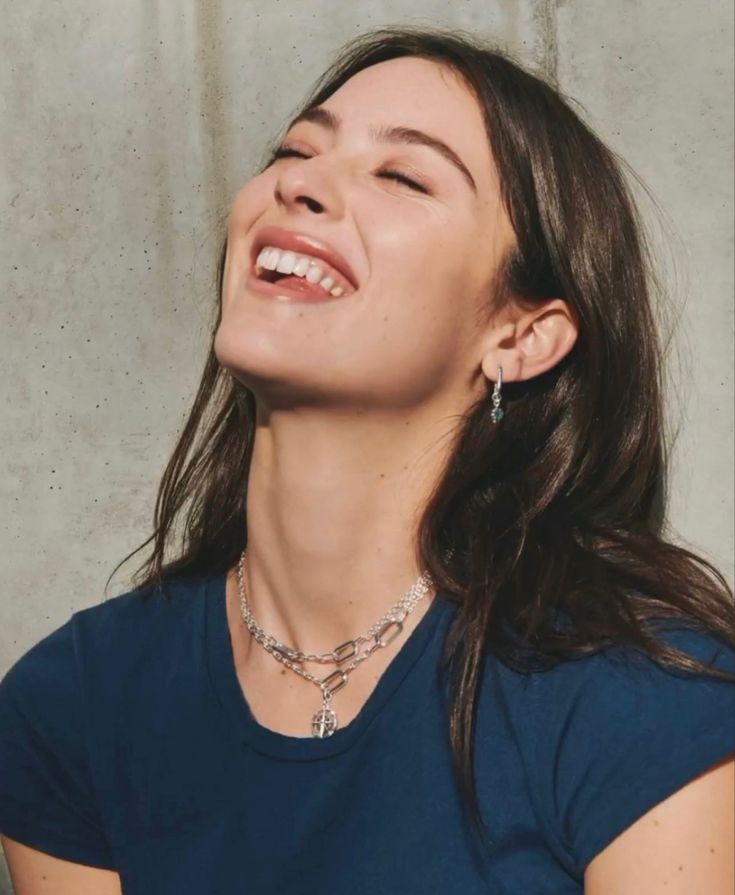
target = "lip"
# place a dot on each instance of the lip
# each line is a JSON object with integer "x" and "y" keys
{"x": 273, "y": 290}
{"x": 303, "y": 243}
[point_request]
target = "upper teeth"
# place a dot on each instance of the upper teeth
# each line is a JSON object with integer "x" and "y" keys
{"x": 311, "y": 269}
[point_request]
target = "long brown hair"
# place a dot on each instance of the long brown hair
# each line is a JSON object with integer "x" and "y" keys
{"x": 556, "y": 513}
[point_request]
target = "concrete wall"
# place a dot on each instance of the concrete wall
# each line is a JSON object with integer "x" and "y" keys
{"x": 127, "y": 128}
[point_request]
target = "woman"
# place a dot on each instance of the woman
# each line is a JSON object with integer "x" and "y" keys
{"x": 431, "y": 416}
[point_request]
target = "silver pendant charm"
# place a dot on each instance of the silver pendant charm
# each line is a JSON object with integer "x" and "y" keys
{"x": 324, "y": 723}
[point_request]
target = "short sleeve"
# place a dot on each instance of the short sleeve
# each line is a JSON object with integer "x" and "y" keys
{"x": 618, "y": 734}
{"x": 47, "y": 798}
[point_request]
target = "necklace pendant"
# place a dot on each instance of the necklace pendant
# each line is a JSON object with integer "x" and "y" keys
{"x": 324, "y": 723}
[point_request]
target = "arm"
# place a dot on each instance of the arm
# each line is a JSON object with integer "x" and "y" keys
{"x": 684, "y": 844}
{"x": 36, "y": 873}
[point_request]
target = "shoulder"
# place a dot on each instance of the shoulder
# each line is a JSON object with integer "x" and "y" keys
{"x": 122, "y": 616}
{"x": 615, "y": 679}
{"x": 109, "y": 636}
{"x": 65, "y": 695}
{"x": 608, "y": 736}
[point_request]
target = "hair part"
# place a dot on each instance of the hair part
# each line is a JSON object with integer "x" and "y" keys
{"x": 556, "y": 517}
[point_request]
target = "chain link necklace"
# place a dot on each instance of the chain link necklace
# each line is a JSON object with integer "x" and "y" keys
{"x": 383, "y": 632}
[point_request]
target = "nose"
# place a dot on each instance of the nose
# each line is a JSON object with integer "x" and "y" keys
{"x": 308, "y": 182}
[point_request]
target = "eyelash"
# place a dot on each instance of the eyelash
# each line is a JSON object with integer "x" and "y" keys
{"x": 286, "y": 152}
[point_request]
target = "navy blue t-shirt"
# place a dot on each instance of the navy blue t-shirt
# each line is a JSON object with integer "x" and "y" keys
{"x": 126, "y": 743}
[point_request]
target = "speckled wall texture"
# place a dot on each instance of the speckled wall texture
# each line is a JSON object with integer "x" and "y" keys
{"x": 127, "y": 127}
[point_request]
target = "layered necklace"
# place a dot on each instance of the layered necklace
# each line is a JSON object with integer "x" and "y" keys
{"x": 354, "y": 652}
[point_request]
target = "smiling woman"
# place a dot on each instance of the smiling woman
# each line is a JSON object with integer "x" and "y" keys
{"x": 431, "y": 422}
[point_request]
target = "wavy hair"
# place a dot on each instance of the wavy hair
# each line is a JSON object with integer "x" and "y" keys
{"x": 558, "y": 513}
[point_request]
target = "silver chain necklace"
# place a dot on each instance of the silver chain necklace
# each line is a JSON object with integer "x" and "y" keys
{"x": 383, "y": 632}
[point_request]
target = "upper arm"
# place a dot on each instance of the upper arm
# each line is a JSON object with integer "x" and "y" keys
{"x": 684, "y": 844}
{"x": 615, "y": 739}
{"x": 36, "y": 873}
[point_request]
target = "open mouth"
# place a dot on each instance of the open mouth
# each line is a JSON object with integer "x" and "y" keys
{"x": 302, "y": 273}
{"x": 305, "y": 257}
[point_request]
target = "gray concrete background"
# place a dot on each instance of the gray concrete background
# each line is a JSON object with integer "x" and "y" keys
{"x": 127, "y": 128}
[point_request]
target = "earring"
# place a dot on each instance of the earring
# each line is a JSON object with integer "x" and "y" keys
{"x": 496, "y": 414}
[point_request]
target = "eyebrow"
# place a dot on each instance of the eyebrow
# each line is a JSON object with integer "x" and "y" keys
{"x": 395, "y": 134}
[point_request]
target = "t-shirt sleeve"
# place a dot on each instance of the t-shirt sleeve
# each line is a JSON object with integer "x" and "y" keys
{"x": 47, "y": 798}
{"x": 617, "y": 734}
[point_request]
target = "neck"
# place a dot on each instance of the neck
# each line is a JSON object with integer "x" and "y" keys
{"x": 332, "y": 511}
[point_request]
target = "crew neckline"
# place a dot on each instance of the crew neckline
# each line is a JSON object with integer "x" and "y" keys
{"x": 251, "y": 732}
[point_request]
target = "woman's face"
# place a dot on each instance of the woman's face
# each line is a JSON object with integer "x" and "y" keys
{"x": 412, "y": 331}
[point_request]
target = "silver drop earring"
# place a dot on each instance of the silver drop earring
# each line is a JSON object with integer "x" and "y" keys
{"x": 496, "y": 414}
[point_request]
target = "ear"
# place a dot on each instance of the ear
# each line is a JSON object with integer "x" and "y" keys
{"x": 531, "y": 342}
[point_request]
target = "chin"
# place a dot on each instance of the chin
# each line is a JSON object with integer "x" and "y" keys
{"x": 255, "y": 358}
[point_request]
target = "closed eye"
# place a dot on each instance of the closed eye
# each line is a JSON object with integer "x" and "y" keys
{"x": 287, "y": 152}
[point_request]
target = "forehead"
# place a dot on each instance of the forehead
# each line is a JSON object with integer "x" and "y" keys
{"x": 422, "y": 94}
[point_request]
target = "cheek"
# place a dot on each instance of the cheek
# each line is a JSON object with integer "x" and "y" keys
{"x": 248, "y": 205}
{"x": 419, "y": 275}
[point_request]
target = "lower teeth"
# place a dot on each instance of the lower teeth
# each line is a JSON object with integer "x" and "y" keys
{"x": 293, "y": 279}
